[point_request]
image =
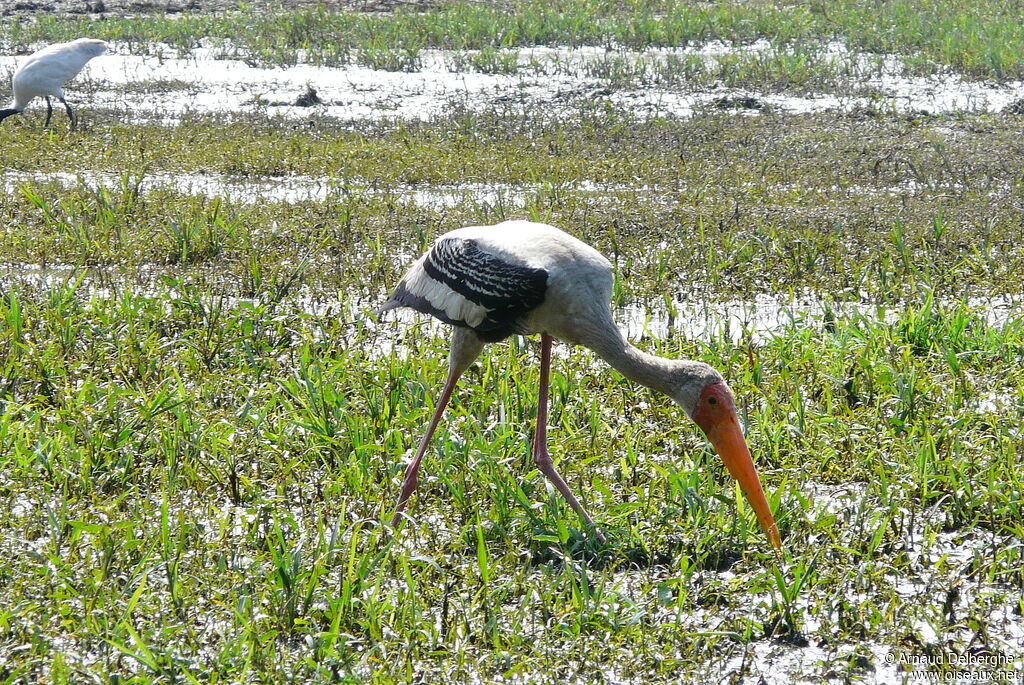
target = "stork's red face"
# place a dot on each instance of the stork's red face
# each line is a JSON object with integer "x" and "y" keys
{"x": 716, "y": 415}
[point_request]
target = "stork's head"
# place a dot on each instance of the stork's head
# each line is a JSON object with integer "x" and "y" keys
{"x": 703, "y": 394}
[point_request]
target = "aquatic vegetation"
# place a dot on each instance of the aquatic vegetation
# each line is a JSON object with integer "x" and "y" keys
{"x": 203, "y": 422}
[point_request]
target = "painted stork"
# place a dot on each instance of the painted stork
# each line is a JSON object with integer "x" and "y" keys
{"x": 46, "y": 71}
{"x": 519, "y": 277}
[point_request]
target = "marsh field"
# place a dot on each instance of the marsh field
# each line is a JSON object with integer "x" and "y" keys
{"x": 204, "y": 423}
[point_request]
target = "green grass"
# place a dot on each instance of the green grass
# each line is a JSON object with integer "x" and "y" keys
{"x": 196, "y": 487}
{"x": 982, "y": 39}
{"x": 786, "y": 203}
{"x": 203, "y": 424}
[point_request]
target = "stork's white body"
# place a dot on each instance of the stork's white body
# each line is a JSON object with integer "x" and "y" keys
{"x": 578, "y": 288}
{"x": 44, "y": 72}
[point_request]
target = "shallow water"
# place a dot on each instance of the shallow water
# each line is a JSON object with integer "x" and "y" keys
{"x": 938, "y": 562}
{"x": 304, "y": 188}
{"x": 163, "y": 85}
{"x": 755, "y": 318}
{"x": 758, "y": 318}
{"x": 288, "y": 189}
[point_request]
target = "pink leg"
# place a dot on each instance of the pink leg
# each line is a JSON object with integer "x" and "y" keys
{"x": 410, "y": 482}
{"x": 540, "y": 443}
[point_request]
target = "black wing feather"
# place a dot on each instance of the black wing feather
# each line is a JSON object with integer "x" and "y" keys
{"x": 507, "y": 290}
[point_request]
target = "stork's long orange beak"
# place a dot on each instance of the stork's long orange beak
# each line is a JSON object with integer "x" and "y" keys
{"x": 716, "y": 415}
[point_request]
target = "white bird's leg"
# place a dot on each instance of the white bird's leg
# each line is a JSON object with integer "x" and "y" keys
{"x": 540, "y": 443}
{"x": 71, "y": 115}
{"x": 49, "y": 112}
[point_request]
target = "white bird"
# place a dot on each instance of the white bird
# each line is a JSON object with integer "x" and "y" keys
{"x": 490, "y": 282}
{"x": 46, "y": 71}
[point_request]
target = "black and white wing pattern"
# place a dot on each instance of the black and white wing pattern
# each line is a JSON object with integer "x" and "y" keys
{"x": 462, "y": 284}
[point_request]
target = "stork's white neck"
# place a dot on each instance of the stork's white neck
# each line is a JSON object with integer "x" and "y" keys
{"x": 681, "y": 380}
{"x": 637, "y": 365}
